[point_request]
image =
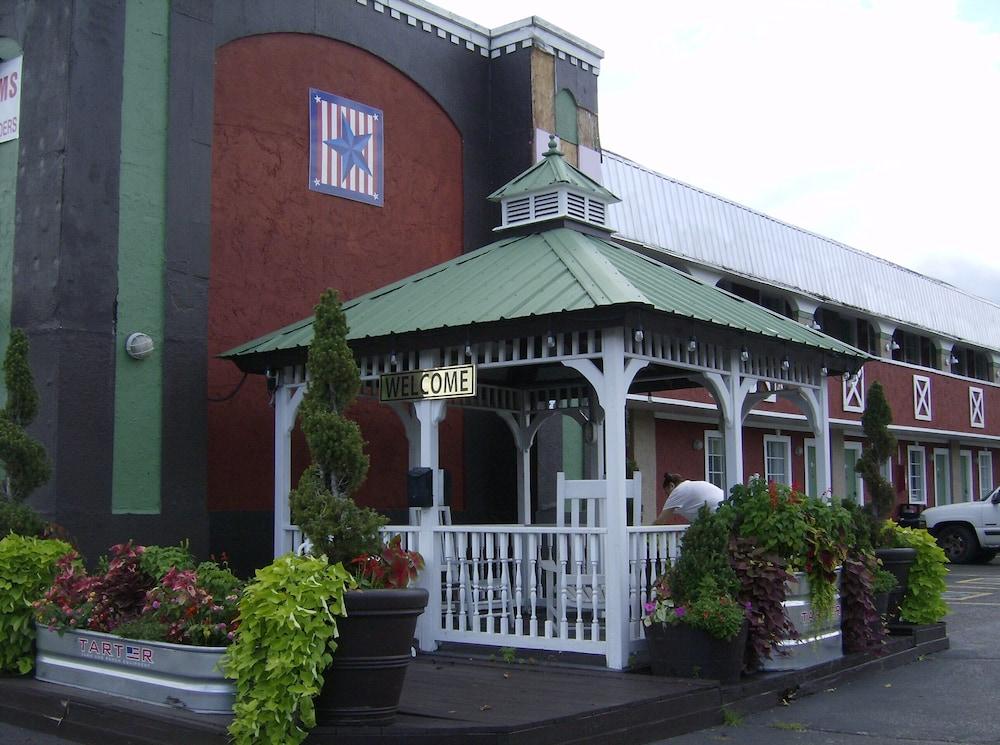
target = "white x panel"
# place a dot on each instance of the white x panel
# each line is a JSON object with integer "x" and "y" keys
{"x": 977, "y": 412}
{"x": 854, "y": 392}
{"x": 921, "y": 397}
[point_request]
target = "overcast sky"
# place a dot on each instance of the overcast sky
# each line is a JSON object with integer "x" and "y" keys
{"x": 875, "y": 123}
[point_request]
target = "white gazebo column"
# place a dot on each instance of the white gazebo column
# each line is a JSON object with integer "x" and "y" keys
{"x": 611, "y": 386}
{"x": 429, "y": 414}
{"x": 524, "y": 427}
{"x": 287, "y": 397}
{"x": 817, "y": 410}
{"x": 730, "y": 392}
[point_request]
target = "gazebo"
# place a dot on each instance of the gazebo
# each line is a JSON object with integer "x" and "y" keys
{"x": 554, "y": 318}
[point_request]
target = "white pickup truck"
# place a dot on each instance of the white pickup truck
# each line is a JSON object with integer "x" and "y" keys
{"x": 967, "y": 531}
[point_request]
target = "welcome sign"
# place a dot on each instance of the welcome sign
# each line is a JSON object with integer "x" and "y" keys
{"x": 457, "y": 381}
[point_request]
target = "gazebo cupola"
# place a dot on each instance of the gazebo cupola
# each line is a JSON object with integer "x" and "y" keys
{"x": 552, "y": 189}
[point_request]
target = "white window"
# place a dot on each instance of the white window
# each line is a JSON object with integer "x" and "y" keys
{"x": 977, "y": 411}
{"x": 985, "y": 473}
{"x": 921, "y": 397}
{"x": 715, "y": 459}
{"x": 854, "y": 392}
{"x": 917, "y": 474}
{"x": 778, "y": 459}
{"x": 887, "y": 469}
{"x": 942, "y": 476}
{"x": 853, "y": 485}
{"x": 812, "y": 467}
{"x": 965, "y": 469}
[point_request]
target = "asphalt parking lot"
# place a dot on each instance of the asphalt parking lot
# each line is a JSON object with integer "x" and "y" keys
{"x": 948, "y": 697}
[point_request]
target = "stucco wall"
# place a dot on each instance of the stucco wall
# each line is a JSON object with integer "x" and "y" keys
{"x": 276, "y": 245}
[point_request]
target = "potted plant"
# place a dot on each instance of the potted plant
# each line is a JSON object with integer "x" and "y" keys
{"x": 700, "y": 636}
{"x": 342, "y": 617}
{"x": 810, "y": 538}
{"x": 149, "y": 625}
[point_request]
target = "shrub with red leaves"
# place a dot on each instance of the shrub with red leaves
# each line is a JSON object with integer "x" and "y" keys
{"x": 392, "y": 567}
{"x": 763, "y": 579}
{"x": 861, "y": 625}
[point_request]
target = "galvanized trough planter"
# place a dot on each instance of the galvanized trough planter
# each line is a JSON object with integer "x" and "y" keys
{"x": 817, "y": 642}
{"x": 177, "y": 675}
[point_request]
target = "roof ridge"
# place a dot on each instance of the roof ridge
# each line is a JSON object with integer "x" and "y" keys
{"x": 629, "y": 292}
{"x": 805, "y": 231}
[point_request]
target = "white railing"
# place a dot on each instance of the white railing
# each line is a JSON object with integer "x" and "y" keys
{"x": 533, "y": 587}
{"x": 536, "y": 587}
{"x": 651, "y": 550}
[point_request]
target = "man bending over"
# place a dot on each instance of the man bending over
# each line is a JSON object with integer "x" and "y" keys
{"x": 685, "y": 498}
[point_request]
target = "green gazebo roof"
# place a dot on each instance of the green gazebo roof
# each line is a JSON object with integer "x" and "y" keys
{"x": 555, "y": 271}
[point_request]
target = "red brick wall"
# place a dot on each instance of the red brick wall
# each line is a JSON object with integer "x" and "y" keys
{"x": 276, "y": 245}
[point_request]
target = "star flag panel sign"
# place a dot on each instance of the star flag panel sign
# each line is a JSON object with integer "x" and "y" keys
{"x": 345, "y": 148}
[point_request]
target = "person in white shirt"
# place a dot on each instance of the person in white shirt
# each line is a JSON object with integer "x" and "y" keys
{"x": 685, "y": 498}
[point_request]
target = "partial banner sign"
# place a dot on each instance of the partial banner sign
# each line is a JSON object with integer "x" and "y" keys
{"x": 457, "y": 381}
{"x": 345, "y": 148}
{"x": 10, "y": 99}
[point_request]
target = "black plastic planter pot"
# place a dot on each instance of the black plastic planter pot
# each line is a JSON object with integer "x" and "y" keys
{"x": 681, "y": 651}
{"x": 898, "y": 561}
{"x": 364, "y": 683}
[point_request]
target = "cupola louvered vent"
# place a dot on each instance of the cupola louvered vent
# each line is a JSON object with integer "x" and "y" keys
{"x": 576, "y": 206}
{"x": 517, "y": 210}
{"x": 595, "y": 211}
{"x": 546, "y": 205}
{"x": 552, "y": 190}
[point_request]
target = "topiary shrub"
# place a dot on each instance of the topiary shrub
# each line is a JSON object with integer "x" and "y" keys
{"x": 22, "y": 458}
{"x": 321, "y": 504}
{"x": 879, "y": 446}
{"x": 20, "y": 519}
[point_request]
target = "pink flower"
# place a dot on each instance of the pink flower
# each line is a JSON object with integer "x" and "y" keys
{"x": 649, "y": 607}
{"x": 680, "y": 611}
{"x": 156, "y": 604}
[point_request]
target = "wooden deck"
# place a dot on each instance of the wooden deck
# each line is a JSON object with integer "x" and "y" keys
{"x": 452, "y": 699}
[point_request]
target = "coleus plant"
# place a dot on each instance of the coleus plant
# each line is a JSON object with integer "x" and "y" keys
{"x": 861, "y": 624}
{"x": 391, "y": 567}
{"x": 763, "y": 579}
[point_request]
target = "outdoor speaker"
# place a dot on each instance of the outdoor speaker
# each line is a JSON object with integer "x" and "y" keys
{"x": 420, "y": 487}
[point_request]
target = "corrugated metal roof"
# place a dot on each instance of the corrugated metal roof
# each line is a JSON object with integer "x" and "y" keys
{"x": 539, "y": 274}
{"x": 690, "y": 223}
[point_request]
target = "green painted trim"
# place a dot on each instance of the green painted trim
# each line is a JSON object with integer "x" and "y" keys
{"x": 141, "y": 245}
{"x": 572, "y": 438}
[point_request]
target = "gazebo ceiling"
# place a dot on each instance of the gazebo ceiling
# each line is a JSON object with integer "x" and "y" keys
{"x": 545, "y": 273}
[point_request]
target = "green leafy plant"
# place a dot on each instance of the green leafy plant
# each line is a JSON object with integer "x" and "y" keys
{"x": 710, "y": 609}
{"x": 27, "y": 566}
{"x": 923, "y": 601}
{"x": 144, "y": 629}
{"x": 285, "y": 641}
{"x": 22, "y": 458}
{"x": 704, "y": 553}
{"x": 808, "y": 534}
{"x": 158, "y": 560}
{"x": 731, "y": 718}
